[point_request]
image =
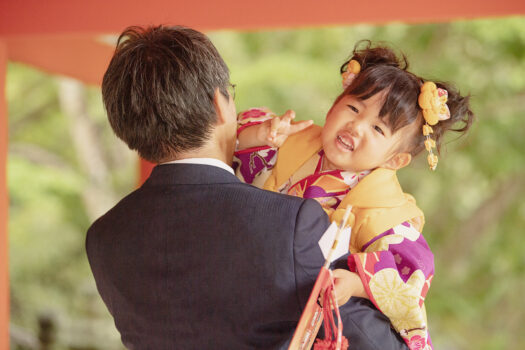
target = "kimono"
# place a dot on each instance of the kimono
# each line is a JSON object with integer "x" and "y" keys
{"x": 387, "y": 248}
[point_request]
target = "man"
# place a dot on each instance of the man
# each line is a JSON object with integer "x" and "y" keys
{"x": 195, "y": 259}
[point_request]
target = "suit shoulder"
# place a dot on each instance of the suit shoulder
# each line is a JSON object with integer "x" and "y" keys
{"x": 122, "y": 204}
{"x": 256, "y": 193}
{"x": 268, "y": 200}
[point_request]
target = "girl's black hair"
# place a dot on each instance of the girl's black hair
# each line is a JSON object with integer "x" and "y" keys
{"x": 384, "y": 71}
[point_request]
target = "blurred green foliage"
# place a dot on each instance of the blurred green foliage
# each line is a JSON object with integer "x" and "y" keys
{"x": 473, "y": 202}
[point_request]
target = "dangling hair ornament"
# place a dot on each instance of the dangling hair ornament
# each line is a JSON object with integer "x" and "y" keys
{"x": 433, "y": 102}
{"x": 352, "y": 70}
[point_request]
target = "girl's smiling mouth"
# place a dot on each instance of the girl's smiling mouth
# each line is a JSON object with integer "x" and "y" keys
{"x": 345, "y": 143}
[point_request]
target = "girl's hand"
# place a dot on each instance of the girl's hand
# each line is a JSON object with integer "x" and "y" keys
{"x": 347, "y": 284}
{"x": 279, "y": 128}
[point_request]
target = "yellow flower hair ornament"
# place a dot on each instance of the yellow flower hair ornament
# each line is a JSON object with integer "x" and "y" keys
{"x": 433, "y": 102}
{"x": 352, "y": 70}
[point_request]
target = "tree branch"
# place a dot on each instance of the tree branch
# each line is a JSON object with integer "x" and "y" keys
{"x": 98, "y": 195}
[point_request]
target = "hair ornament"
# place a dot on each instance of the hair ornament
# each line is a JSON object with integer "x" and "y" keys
{"x": 352, "y": 70}
{"x": 433, "y": 102}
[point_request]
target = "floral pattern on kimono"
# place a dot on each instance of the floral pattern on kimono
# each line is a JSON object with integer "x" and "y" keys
{"x": 396, "y": 268}
{"x": 255, "y": 162}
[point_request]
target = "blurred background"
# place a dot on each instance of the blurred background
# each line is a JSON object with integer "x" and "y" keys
{"x": 65, "y": 168}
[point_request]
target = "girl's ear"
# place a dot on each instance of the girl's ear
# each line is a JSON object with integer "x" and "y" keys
{"x": 398, "y": 161}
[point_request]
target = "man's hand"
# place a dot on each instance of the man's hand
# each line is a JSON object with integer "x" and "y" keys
{"x": 279, "y": 128}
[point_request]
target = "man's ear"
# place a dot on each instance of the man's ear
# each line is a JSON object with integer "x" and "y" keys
{"x": 398, "y": 161}
{"x": 222, "y": 106}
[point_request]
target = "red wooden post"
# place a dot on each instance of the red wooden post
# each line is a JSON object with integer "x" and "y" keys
{"x": 145, "y": 168}
{"x": 4, "y": 206}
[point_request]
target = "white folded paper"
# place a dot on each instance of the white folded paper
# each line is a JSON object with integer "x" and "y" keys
{"x": 327, "y": 240}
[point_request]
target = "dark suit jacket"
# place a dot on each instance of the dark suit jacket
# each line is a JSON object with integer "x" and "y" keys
{"x": 195, "y": 259}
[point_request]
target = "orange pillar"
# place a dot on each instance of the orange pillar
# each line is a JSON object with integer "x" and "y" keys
{"x": 4, "y": 269}
{"x": 145, "y": 169}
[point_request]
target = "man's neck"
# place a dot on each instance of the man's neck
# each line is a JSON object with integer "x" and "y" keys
{"x": 203, "y": 152}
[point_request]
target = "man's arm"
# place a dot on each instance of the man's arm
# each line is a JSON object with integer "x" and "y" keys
{"x": 311, "y": 223}
{"x": 365, "y": 327}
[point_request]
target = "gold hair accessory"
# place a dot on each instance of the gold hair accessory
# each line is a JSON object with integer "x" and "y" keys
{"x": 433, "y": 102}
{"x": 352, "y": 70}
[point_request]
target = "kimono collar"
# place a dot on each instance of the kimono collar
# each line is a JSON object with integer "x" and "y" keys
{"x": 379, "y": 189}
{"x": 297, "y": 149}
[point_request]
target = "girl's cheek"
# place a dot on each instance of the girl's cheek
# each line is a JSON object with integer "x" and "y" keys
{"x": 331, "y": 110}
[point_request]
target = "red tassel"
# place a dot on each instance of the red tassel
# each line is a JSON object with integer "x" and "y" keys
{"x": 344, "y": 343}
{"x": 334, "y": 339}
{"x": 323, "y": 344}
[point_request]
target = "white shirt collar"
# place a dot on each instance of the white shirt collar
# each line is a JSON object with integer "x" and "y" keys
{"x": 204, "y": 161}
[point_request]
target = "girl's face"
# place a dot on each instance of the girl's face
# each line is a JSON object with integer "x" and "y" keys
{"x": 356, "y": 139}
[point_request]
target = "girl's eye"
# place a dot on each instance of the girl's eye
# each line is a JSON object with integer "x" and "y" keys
{"x": 379, "y": 130}
{"x": 353, "y": 108}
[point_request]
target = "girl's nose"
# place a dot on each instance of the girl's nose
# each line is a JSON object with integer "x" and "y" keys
{"x": 355, "y": 127}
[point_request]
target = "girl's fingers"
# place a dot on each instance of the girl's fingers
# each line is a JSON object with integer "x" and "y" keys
{"x": 300, "y": 126}
{"x": 288, "y": 116}
{"x": 274, "y": 126}
{"x": 281, "y": 127}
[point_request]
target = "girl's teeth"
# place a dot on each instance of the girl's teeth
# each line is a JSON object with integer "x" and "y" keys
{"x": 350, "y": 147}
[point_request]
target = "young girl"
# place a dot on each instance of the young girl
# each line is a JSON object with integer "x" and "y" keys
{"x": 384, "y": 117}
